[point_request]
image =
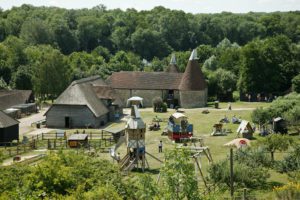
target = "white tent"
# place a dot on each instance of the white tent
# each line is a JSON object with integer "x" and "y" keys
{"x": 135, "y": 99}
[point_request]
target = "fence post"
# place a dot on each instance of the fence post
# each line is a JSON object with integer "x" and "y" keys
{"x": 231, "y": 174}
{"x": 244, "y": 194}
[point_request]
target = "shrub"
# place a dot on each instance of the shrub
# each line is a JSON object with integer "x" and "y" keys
{"x": 253, "y": 157}
{"x": 291, "y": 162}
{"x": 159, "y": 105}
{"x": 289, "y": 191}
{"x": 244, "y": 175}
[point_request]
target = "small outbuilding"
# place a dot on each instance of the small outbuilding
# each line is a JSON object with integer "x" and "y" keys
{"x": 78, "y": 140}
{"x": 245, "y": 129}
{"x": 279, "y": 125}
{"x": 9, "y": 129}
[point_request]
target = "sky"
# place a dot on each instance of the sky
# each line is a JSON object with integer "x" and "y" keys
{"x": 192, "y": 6}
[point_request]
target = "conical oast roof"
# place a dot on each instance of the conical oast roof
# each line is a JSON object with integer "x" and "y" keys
{"x": 172, "y": 66}
{"x": 193, "y": 78}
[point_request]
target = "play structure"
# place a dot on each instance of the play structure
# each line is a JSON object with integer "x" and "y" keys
{"x": 245, "y": 129}
{"x": 179, "y": 127}
{"x": 134, "y": 138}
{"x": 217, "y": 130}
{"x": 197, "y": 148}
{"x": 238, "y": 143}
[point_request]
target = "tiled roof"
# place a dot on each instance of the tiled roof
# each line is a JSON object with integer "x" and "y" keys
{"x": 193, "y": 78}
{"x": 144, "y": 80}
{"x": 172, "y": 68}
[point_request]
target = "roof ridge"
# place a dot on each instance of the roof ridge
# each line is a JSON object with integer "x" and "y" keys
{"x": 87, "y": 79}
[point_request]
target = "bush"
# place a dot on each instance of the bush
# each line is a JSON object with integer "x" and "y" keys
{"x": 236, "y": 96}
{"x": 244, "y": 175}
{"x": 296, "y": 83}
{"x": 253, "y": 157}
{"x": 159, "y": 105}
{"x": 289, "y": 191}
{"x": 291, "y": 162}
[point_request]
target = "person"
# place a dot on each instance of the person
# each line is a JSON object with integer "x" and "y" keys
{"x": 160, "y": 147}
{"x": 118, "y": 157}
{"x": 229, "y": 106}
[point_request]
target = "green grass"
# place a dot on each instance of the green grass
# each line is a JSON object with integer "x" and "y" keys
{"x": 203, "y": 124}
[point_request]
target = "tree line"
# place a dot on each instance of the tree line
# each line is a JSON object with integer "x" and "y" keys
{"x": 45, "y": 48}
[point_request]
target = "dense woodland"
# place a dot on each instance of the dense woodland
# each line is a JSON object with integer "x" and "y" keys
{"x": 45, "y": 48}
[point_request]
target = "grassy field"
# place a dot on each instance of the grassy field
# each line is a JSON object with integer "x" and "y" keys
{"x": 203, "y": 124}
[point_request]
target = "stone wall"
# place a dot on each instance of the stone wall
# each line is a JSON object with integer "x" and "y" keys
{"x": 193, "y": 99}
{"x": 147, "y": 95}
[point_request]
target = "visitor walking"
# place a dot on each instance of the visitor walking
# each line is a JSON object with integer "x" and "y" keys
{"x": 160, "y": 145}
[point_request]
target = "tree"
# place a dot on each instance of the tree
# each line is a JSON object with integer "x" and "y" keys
{"x": 92, "y": 32}
{"x": 123, "y": 61}
{"x": 50, "y": 72}
{"x": 22, "y": 79}
{"x": 178, "y": 176}
{"x": 276, "y": 142}
{"x": 260, "y": 116}
{"x": 262, "y": 65}
{"x": 296, "y": 83}
{"x": 35, "y": 31}
{"x": 225, "y": 84}
{"x": 149, "y": 43}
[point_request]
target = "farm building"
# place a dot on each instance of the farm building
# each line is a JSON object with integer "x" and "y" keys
{"x": 9, "y": 128}
{"x": 10, "y": 98}
{"x": 188, "y": 89}
{"x": 87, "y": 102}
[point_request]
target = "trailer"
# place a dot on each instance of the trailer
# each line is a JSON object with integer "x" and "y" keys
{"x": 179, "y": 127}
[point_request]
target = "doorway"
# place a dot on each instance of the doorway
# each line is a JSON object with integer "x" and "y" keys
{"x": 67, "y": 122}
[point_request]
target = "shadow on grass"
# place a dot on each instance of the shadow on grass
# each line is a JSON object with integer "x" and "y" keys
{"x": 149, "y": 171}
{"x": 270, "y": 185}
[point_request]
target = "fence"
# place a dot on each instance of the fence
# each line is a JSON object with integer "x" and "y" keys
{"x": 101, "y": 141}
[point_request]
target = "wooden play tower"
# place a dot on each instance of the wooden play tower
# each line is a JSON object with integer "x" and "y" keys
{"x": 135, "y": 130}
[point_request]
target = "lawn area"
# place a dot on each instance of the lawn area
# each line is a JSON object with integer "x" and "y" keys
{"x": 202, "y": 128}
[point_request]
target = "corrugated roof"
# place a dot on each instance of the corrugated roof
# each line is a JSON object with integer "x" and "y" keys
{"x": 144, "y": 80}
{"x": 82, "y": 93}
{"x": 10, "y": 98}
{"x": 7, "y": 121}
{"x": 192, "y": 78}
{"x": 79, "y": 136}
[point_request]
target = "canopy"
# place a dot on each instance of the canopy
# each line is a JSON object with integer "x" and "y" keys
{"x": 238, "y": 143}
{"x": 135, "y": 98}
{"x": 178, "y": 115}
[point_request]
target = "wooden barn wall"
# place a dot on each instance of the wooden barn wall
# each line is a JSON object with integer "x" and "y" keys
{"x": 80, "y": 117}
{"x": 9, "y": 134}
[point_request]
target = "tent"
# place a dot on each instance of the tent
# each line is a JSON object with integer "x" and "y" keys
{"x": 135, "y": 101}
{"x": 238, "y": 143}
{"x": 245, "y": 129}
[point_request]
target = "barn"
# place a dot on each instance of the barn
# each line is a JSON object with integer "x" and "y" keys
{"x": 9, "y": 129}
{"x": 87, "y": 102}
{"x": 188, "y": 89}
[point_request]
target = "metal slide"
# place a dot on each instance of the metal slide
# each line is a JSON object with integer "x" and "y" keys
{"x": 114, "y": 148}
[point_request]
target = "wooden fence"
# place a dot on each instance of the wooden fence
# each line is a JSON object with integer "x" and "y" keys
{"x": 101, "y": 141}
